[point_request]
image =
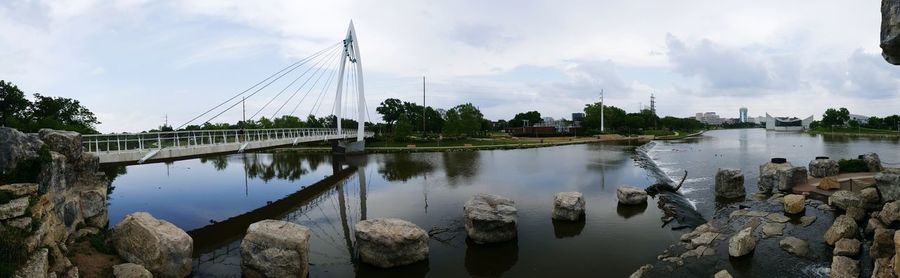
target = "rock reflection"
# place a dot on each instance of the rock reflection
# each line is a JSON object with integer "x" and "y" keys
{"x": 461, "y": 166}
{"x": 490, "y": 260}
{"x": 564, "y": 229}
{"x": 629, "y": 211}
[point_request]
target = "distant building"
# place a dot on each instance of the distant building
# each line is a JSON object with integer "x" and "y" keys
{"x": 577, "y": 117}
{"x": 709, "y": 118}
{"x": 787, "y": 123}
{"x": 742, "y": 115}
{"x": 859, "y": 118}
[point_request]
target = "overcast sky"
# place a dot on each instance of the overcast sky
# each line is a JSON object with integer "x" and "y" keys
{"x": 133, "y": 62}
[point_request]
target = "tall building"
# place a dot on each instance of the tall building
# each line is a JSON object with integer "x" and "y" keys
{"x": 709, "y": 118}
{"x": 742, "y": 115}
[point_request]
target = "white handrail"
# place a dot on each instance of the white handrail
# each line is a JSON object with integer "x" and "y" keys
{"x": 191, "y": 138}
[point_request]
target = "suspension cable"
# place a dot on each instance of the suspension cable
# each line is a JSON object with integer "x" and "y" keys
{"x": 321, "y": 59}
{"x": 319, "y": 72}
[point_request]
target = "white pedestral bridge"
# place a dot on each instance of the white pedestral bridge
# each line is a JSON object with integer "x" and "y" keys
{"x": 316, "y": 73}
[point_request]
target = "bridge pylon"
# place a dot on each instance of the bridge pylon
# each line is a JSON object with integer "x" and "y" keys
{"x": 352, "y": 57}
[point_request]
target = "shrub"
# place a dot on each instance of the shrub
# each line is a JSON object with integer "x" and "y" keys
{"x": 853, "y": 165}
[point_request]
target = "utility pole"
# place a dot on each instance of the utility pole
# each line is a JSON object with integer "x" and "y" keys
{"x": 601, "y": 111}
{"x": 423, "y": 106}
{"x": 243, "y": 112}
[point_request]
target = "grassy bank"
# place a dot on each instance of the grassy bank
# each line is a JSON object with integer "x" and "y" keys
{"x": 855, "y": 132}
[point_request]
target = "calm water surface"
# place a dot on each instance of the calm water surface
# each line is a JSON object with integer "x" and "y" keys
{"x": 212, "y": 198}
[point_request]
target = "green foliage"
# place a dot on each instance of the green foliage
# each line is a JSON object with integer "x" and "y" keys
{"x": 403, "y": 129}
{"x": 852, "y": 165}
{"x": 464, "y": 120}
{"x": 390, "y": 110}
{"x": 533, "y": 117}
{"x": 44, "y": 112}
{"x": 835, "y": 117}
{"x": 613, "y": 117}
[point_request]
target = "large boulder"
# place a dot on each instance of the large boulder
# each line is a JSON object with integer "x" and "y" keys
{"x": 882, "y": 243}
{"x": 890, "y": 31}
{"x": 490, "y": 218}
{"x": 888, "y": 184}
{"x": 130, "y": 270}
{"x": 274, "y": 248}
{"x": 843, "y": 267}
{"x": 872, "y": 162}
{"x": 890, "y": 213}
{"x": 870, "y": 195}
{"x": 794, "y": 203}
{"x": 769, "y": 178}
{"x": 389, "y": 242}
{"x": 730, "y": 184}
{"x": 93, "y": 202}
{"x": 795, "y": 246}
{"x": 157, "y": 245}
{"x": 16, "y": 147}
{"x": 630, "y": 195}
{"x": 67, "y": 143}
{"x": 843, "y": 227}
{"x": 568, "y": 206}
{"x": 849, "y": 247}
{"x": 845, "y": 200}
{"x": 742, "y": 243}
{"x": 14, "y": 208}
{"x": 824, "y": 167}
{"x": 787, "y": 179}
{"x": 37, "y": 265}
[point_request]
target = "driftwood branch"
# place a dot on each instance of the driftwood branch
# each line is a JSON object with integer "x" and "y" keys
{"x": 682, "y": 181}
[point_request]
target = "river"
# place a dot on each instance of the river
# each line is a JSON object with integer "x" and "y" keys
{"x": 429, "y": 189}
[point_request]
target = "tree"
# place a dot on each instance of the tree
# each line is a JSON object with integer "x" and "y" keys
{"x": 835, "y": 117}
{"x": 532, "y": 117}
{"x": 613, "y": 117}
{"x": 61, "y": 113}
{"x": 14, "y": 104}
{"x": 464, "y": 120}
{"x": 390, "y": 110}
{"x": 403, "y": 128}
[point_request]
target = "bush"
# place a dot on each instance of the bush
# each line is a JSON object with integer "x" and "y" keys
{"x": 853, "y": 165}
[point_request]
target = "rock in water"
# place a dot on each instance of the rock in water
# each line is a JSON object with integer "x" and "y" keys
{"x": 130, "y": 270}
{"x": 629, "y": 195}
{"x": 890, "y": 31}
{"x": 641, "y": 272}
{"x": 722, "y": 274}
{"x": 872, "y": 161}
{"x": 882, "y": 243}
{"x": 158, "y": 245}
{"x": 730, "y": 184}
{"x": 390, "y": 242}
{"x": 848, "y": 247}
{"x": 843, "y": 227}
{"x": 795, "y": 246}
{"x": 490, "y": 218}
{"x": 888, "y": 185}
{"x": 821, "y": 168}
{"x": 845, "y": 200}
{"x": 742, "y": 243}
{"x": 274, "y": 248}
{"x": 794, "y": 203}
{"x": 789, "y": 178}
{"x": 569, "y": 206}
{"x": 843, "y": 267}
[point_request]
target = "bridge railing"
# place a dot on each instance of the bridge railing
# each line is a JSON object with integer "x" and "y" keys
{"x": 188, "y": 138}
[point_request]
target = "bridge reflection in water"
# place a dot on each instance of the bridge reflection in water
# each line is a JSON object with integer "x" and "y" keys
{"x": 339, "y": 197}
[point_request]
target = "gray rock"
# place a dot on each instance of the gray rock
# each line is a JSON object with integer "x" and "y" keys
{"x": 130, "y": 270}
{"x": 36, "y": 267}
{"x": 807, "y": 220}
{"x": 568, "y": 206}
{"x": 890, "y": 213}
{"x": 791, "y": 177}
{"x": 490, "y": 218}
{"x": 882, "y": 243}
{"x": 83, "y": 232}
{"x": 629, "y": 195}
{"x": 772, "y": 229}
{"x": 742, "y": 243}
{"x": 67, "y": 143}
{"x": 869, "y": 195}
{"x": 847, "y": 247}
{"x": 93, "y": 202}
{"x": 888, "y": 185}
{"x": 821, "y": 168}
{"x": 843, "y": 267}
{"x": 858, "y": 214}
{"x": 777, "y": 217}
{"x": 641, "y": 272}
{"x": 16, "y": 147}
{"x": 722, "y": 274}
{"x": 158, "y": 245}
{"x": 14, "y": 208}
{"x": 845, "y": 199}
{"x": 890, "y": 31}
{"x": 730, "y": 184}
{"x": 703, "y": 239}
{"x": 795, "y": 246}
{"x": 389, "y": 242}
{"x": 872, "y": 225}
{"x": 23, "y": 223}
{"x": 883, "y": 269}
{"x": 843, "y": 227}
{"x": 794, "y": 203}
{"x": 768, "y": 176}
{"x": 19, "y": 189}
{"x": 872, "y": 161}
{"x": 274, "y": 248}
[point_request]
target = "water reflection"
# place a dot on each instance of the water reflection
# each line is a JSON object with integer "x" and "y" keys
{"x": 629, "y": 211}
{"x": 490, "y": 260}
{"x": 460, "y": 167}
{"x": 405, "y": 166}
{"x": 564, "y": 229}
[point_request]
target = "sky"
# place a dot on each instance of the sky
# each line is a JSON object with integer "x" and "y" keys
{"x": 138, "y": 63}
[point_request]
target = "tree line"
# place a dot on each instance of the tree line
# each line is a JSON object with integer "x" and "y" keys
{"x": 840, "y": 117}
{"x": 28, "y": 115}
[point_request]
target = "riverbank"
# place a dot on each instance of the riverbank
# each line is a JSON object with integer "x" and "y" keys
{"x": 861, "y": 132}
{"x": 678, "y": 136}
{"x": 506, "y": 144}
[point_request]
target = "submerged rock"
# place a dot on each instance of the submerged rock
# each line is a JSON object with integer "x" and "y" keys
{"x": 843, "y": 267}
{"x": 722, "y": 274}
{"x": 742, "y": 243}
{"x": 629, "y": 195}
{"x": 730, "y": 184}
{"x": 490, "y": 218}
{"x": 772, "y": 229}
{"x": 156, "y": 244}
{"x": 821, "y": 168}
{"x": 843, "y": 227}
{"x": 274, "y": 248}
{"x": 890, "y": 31}
{"x": 795, "y": 246}
{"x": 844, "y": 200}
{"x": 568, "y": 206}
{"x": 794, "y": 203}
{"x": 888, "y": 185}
{"x": 130, "y": 270}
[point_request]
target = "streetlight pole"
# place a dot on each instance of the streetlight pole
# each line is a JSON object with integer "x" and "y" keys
{"x": 601, "y": 111}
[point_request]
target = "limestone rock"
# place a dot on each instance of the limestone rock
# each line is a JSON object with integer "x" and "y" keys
{"x": 730, "y": 184}
{"x": 641, "y": 272}
{"x": 722, "y": 274}
{"x": 16, "y": 147}
{"x": 794, "y": 203}
{"x": 23, "y": 223}
{"x": 807, "y": 220}
{"x": 843, "y": 267}
{"x": 795, "y": 246}
{"x": 844, "y": 200}
{"x": 872, "y": 161}
{"x": 883, "y": 269}
{"x": 847, "y": 247}
{"x": 629, "y": 195}
{"x": 857, "y": 213}
{"x": 890, "y": 31}
{"x": 130, "y": 270}
{"x": 888, "y": 185}
{"x": 777, "y": 217}
{"x": 890, "y": 213}
{"x": 829, "y": 183}
{"x": 882, "y": 243}
{"x": 772, "y": 229}
{"x": 14, "y": 208}
{"x": 768, "y": 175}
{"x": 872, "y": 225}
{"x": 703, "y": 239}
{"x": 93, "y": 202}
{"x": 67, "y": 143}
{"x": 843, "y": 227}
{"x": 19, "y": 189}
{"x": 791, "y": 177}
{"x": 742, "y": 243}
{"x": 274, "y": 248}
{"x": 869, "y": 195}
{"x": 490, "y": 218}
{"x": 568, "y": 206}
{"x": 821, "y": 168}
{"x": 37, "y": 266}
{"x": 158, "y": 245}
{"x": 389, "y": 242}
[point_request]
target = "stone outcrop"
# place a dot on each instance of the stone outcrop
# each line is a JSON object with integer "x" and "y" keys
{"x": 888, "y": 184}
{"x": 821, "y": 168}
{"x": 794, "y": 203}
{"x": 130, "y": 270}
{"x": 14, "y": 208}
{"x": 67, "y": 143}
{"x": 742, "y": 243}
{"x": 156, "y": 244}
{"x": 795, "y": 246}
{"x": 274, "y": 248}
{"x": 19, "y": 189}
{"x": 843, "y": 267}
{"x": 872, "y": 162}
{"x": 890, "y": 31}
{"x": 845, "y": 199}
{"x": 37, "y": 265}
{"x": 641, "y": 272}
{"x": 843, "y": 227}
{"x": 774, "y": 176}
{"x": 882, "y": 243}
{"x": 730, "y": 184}
{"x": 490, "y": 218}
{"x": 389, "y": 242}
{"x": 17, "y": 147}
{"x": 568, "y": 206}
{"x": 630, "y": 195}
